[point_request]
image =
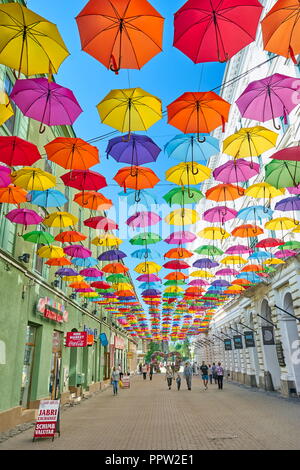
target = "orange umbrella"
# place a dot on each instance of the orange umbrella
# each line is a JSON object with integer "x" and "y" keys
{"x": 70, "y": 236}
{"x": 120, "y": 33}
{"x": 12, "y": 195}
{"x": 58, "y": 262}
{"x": 241, "y": 282}
{"x": 79, "y": 285}
{"x": 116, "y": 268}
{"x": 174, "y": 276}
{"x": 72, "y": 153}
{"x": 253, "y": 268}
{"x": 136, "y": 177}
{"x": 195, "y": 112}
{"x": 224, "y": 192}
{"x": 281, "y": 29}
{"x": 93, "y": 200}
{"x": 176, "y": 253}
{"x": 246, "y": 231}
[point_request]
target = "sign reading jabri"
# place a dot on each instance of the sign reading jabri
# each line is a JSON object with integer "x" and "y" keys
{"x": 47, "y": 423}
{"x": 52, "y": 310}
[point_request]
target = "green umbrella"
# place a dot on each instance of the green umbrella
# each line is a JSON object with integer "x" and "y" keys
{"x": 170, "y": 295}
{"x": 41, "y": 238}
{"x": 145, "y": 239}
{"x": 282, "y": 173}
{"x": 105, "y": 291}
{"x": 209, "y": 250}
{"x": 182, "y": 197}
{"x": 292, "y": 245}
{"x": 174, "y": 283}
{"x": 115, "y": 278}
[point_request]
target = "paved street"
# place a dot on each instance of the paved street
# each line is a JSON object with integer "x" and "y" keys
{"x": 149, "y": 416}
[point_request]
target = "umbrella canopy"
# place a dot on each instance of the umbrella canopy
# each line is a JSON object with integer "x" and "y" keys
{"x": 148, "y": 278}
{"x": 145, "y": 253}
{"x": 33, "y": 179}
{"x": 85, "y": 262}
{"x": 72, "y": 153}
{"x": 269, "y": 243}
{"x": 209, "y": 250}
{"x": 188, "y": 173}
{"x": 288, "y": 204}
{"x": 136, "y": 150}
{"x": 84, "y": 180}
{"x": 12, "y": 195}
{"x": 131, "y": 109}
{"x": 209, "y": 31}
{"x": 121, "y": 34}
{"x": 246, "y": 231}
{"x": 281, "y": 223}
{"x": 235, "y": 171}
{"x": 145, "y": 199}
{"x": 46, "y": 102}
{"x": 24, "y": 217}
{"x": 186, "y": 147}
{"x": 224, "y": 193}
{"x": 177, "y": 253}
{"x": 91, "y": 272}
{"x": 17, "y": 152}
{"x": 263, "y": 191}
{"x": 58, "y": 262}
{"x": 238, "y": 250}
{"x": 6, "y": 109}
{"x": 77, "y": 251}
{"x": 50, "y": 252}
{"x": 101, "y": 223}
{"x": 205, "y": 263}
{"x": 107, "y": 240}
{"x": 48, "y": 198}
{"x": 70, "y": 236}
{"x": 137, "y": 178}
{"x": 282, "y": 173}
{"x": 182, "y": 217}
{"x": 183, "y": 196}
{"x": 176, "y": 264}
{"x": 269, "y": 98}
{"x": 219, "y": 214}
{"x": 38, "y": 237}
{"x": 196, "y": 112}
{"x": 250, "y": 142}
{"x": 255, "y": 213}
{"x": 147, "y": 267}
{"x": 143, "y": 219}
{"x": 115, "y": 268}
{"x": 179, "y": 238}
{"x": 93, "y": 200}
{"x": 176, "y": 276}
{"x": 29, "y": 43}
{"x": 289, "y": 153}
{"x": 60, "y": 219}
{"x": 112, "y": 255}
{"x": 213, "y": 233}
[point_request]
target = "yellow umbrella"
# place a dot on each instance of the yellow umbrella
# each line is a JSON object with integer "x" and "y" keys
{"x": 130, "y": 109}
{"x": 274, "y": 261}
{"x": 33, "y": 179}
{"x": 73, "y": 278}
{"x": 213, "y": 233}
{"x": 89, "y": 294}
{"x": 187, "y": 173}
{"x": 148, "y": 267}
{"x": 236, "y": 288}
{"x": 107, "y": 240}
{"x": 250, "y": 142}
{"x": 263, "y": 191}
{"x": 201, "y": 273}
{"x": 29, "y": 43}
{"x": 296, "y": 230}
{"x": 281, "y": 223}
{"x": 6, "y": 110}
{"x": 233, "y": 260}
{"x": 50, "y": 251}
{"x": 182, "y": 217}
{"x": 122, "y": 286}
{"x": 174, "y": 289}
{"x": 60, "y": 219}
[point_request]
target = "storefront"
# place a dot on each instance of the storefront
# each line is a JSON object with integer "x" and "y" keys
{"x": 119, "y": 353}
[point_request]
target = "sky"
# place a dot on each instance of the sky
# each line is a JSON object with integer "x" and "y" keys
{"x": 167, "y": 76}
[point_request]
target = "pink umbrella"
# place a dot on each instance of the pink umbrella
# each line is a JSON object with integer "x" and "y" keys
{"x": 219, "y": 214}
{"x": 198, "y": 282}
{"x": 77, "y": 251}
{"x": 269, "y": 98}
{"x": 4, "y": 176}
{"x": 235, "y": 171}
{"x": 47, "y": 102}
{"x": 226, "y": 272}
{"x": 24, "y": 217}
{"x": 91, "y": 272}
{"x": 88, "y": 289}
{"x": 285, "y": 253}
{"x": 178, "y": 238}
{"x": 238, "y": 250}
{"x": 143, "y": 219}
{"x": 148, "y": 278}
{"x": 295, "y": 190}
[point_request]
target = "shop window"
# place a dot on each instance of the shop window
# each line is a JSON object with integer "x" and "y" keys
{"x": 55, "y": 368}
{"x": 7, "y": 231}
{"x": 30, "y": 339}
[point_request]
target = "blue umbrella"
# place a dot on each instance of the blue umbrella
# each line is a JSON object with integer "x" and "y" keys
{"x": 146, "y": 199}
{"x": 85, "y": 262}
{"x": 252, "y": 277}
{"x": 145, "y": 253}
{"x": 260, "y": 255}
{"x": 92, "y": 279}
{"x": 255, "y": 213}
{"x": 148, "y": 285}
{"x": 186, "y": 147}
{"x": 112, "y": 255}
{"x": 48, "y": 198}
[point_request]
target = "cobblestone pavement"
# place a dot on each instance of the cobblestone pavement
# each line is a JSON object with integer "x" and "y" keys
{"x": 149, "y": 416}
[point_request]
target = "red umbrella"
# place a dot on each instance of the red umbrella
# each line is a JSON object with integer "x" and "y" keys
{"x": 101, "y": 285}
{"x": 269, "y": 243}
{"x": 210, "y": 30}
{"x": 84, "y": 180}
{"x": 177, "y": 264}
{"x": 101, "y": 223}
{"x": 18, "y": 152}
{"x": 71, "y": 236}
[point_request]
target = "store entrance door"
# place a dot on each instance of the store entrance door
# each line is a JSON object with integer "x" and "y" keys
{"x": 54, "y": 383}
{"x": 30, "y": 339}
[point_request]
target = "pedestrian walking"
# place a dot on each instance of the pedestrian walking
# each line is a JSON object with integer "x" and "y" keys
{"x": 169, "y": 376}
{"x": 120, "y": 371}
{"x": 140, "y": 368}
{"x": 220, "y": 375}
{"x": 204, "y": 371}
{"x": 144, "y": 371}
{"x": 115, "y": 377}
{"x": 151, "y": 371}
{"x": 188, "y": 374}
{"x": 210, "y": 374}
{"x": 178, "y": 380}
{"x": 214, "y": 372}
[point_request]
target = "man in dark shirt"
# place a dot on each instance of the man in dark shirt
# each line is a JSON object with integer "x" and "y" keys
{"x": 204, "y": 371}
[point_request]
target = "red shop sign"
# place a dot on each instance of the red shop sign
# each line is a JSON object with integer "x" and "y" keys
{"x": 76, "y": 339}
{"x": 47, "y": 423}
{"x": 119, "y": 343}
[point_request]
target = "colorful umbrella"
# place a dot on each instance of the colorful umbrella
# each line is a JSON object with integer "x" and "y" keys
{"x": 70, "y": 236}
{"x": 182, "y": 196}
{"x": 269, "y": 243}
{"x": 186, "y": 147}
{"x": 289, "y": 153}
{"x": 48, "y": 198}
{"x": 93, "y": 200}
{"x": 145, "y": 198}
{"x": 60, "y": 219}
{"x": 24, "y": 217}
{"x": 101, "y": 223}
{"x": 137, "y": 150}
{"x": 209, "y": 250}
{"x": 84, "y": 180}
{"x": 179, "y": 238}
{"x": 50, "y": 251}
{"x": 281, "y": 223}
{"x": 255, "y": 213}
{"x": 282, "y": 173}
{"x": 17, "y": 152}
{"x": 238, "y": 250}
{"x": 269, "y": 98}
{"x": 263, "y": 191}
{"x": 58, "y": 262}
{"x": 12, "y": 195}
{"x": 85, "y": 262}
{"x": 143, "y": 219}
{"x": 29, "y": 43}
{"x": 235, "y": 171}
{"x": 176, "y": 264}
{"x": 121, "y": 35}
{"x": 178, "y": 253}
{"x": 247, "y": 231}
{"x": 38, "y": 237}
{"x": 72, "y": 153}
{"x": 137, "y": 178}
{"x": 115, "y": 268}
{"x": 112, "y": 255}
{"x": 77, "y": 251}
{"x": 219, "y": 214}
{"x": 33, "y": 179}
{"x": 107, "y": 240}
{"x": 224, "y": 192}
{"x": 188, "y": 174}
{"x": 213, "y": 233}
{"x": 215, "y": 31}
{"x": 46, "y": 102}
{"x": 91, "y": 272}
{"x": 182, "y": 217}
{"x": 6, "y": 109}
{"x": 250, "y": 142}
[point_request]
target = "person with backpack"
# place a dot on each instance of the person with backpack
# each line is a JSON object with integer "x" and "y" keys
{"x": 214, "y": 372}
{"x": 220, "y": 375}
{"x": 204, "y": 371}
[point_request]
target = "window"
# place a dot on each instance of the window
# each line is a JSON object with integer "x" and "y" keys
{"x": 7, "y": 231}
{"x": 10, "y": 123}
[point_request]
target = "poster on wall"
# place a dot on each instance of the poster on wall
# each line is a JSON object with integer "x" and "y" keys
{"x": 227, "y": 344}
{"x": 47, "y": 423}
{"x": 76, "y": 339}
{"x": 268, "y": 335}
{"x": 238, "y": 342}
{"x": 249, "y": 339}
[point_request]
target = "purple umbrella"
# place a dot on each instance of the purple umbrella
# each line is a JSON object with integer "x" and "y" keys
{"x": 238, "y": 250}
{"x": 24, "y": 217}
{"x": 136, "y": 150}
{"x": 235, "y": 171}
{"x": 205, "y": 263}
{"x": 269, "y": 98}
{"x": 219, "y": 214}
{"x": 88, "y": 289}
{"x": 220, "y": 283}
{"x": 66, "y": 272}
{"x": 47, "y": 102}
{"x": 150, "y": 292}
{"x": 285, "y": 253}
{"x": 112, "y": 255}
{"x": 77, "y": 251}
{"x": 91, "y": 272}
{"x": 288, "y": 204}
{"x": 227, "y": 272}
{"x": 148, "y": 278}
{"x": 178, "y": 238}
{"x": 198, "y": 282}
{"x": 143, "y": 219}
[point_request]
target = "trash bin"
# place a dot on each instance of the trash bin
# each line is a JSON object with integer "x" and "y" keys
{"x": 268, "y": 381}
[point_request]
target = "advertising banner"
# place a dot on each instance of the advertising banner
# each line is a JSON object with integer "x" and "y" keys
{"x": 238, "y": 342}
{"x": 227, "y": 344}
{"x": 268, "y": 335}
{"x": 47, "y": 423}
{"x": 249, "y": 339}
{"x": 76, "y": 339}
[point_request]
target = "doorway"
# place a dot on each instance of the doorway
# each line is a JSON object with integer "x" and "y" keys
{"x": 30, "y": 344}
{"x": 55, "y": 368}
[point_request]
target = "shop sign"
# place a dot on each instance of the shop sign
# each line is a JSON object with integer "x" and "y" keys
{"x": 227, "y": 344}
{"x": 268, "y": 335}
{"x": 238, "y": 342}
{"x": 119, "y": 343}
{"x": 130, "y": 355}
{"x": 76, "y": 339}
{"x": 249, "y": 339}
{"x": 52, "y": 310}
{"x": 90, "y": 340}
{"x": 103, "y": 339}
{"x": 47, "y": 423}
{"x": 280, "y": 354}
{"x": 90, "y": 331}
